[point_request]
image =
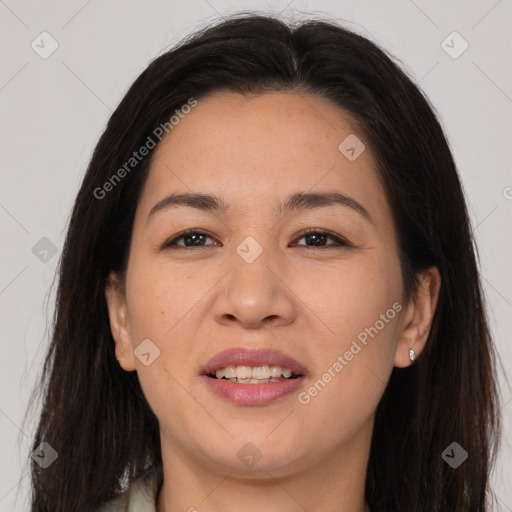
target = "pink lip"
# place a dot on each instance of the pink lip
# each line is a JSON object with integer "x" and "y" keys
{"x": 252, "y": 394}
{"x": 252, "y": 357}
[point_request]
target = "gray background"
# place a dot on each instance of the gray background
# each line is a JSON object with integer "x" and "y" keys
{"x": 53, "y": 110}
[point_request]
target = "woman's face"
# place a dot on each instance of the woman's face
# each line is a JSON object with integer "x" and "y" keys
{"x": 251, "y": 279}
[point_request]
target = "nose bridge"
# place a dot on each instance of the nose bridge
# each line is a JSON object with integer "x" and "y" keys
{"x": 251, "y": 279}
{"x": 252, "y": 292}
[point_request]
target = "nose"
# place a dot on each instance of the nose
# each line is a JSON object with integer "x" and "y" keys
{"x": 255, "y": 294}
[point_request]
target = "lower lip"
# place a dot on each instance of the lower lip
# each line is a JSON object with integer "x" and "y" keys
{"x": 253, "y": 394}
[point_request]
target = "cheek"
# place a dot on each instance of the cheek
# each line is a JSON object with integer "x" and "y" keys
{"x": 162, "y": 305}
{"x": 359, "y": 307}
{"x": 352, "y": 368}
{"x": 347, "y": 297}
{"x": 170, "y": 305}
{"x": 158, "y": 297}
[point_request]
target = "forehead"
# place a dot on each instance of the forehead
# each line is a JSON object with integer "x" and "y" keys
{"x": 254, "y": 150}
{"x": 281, "y": 127}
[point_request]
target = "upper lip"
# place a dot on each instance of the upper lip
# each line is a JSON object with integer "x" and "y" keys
{"x": 252, "y": 357}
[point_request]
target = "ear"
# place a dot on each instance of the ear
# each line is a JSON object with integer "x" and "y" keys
{"x": 119, "y": 321}
{"x": 417, "y": 318}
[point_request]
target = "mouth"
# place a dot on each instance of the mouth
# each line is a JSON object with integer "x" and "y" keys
{"x": 253, "y": 377}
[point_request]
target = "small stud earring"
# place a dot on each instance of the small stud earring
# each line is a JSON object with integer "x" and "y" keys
{"x": 412, "y": 355}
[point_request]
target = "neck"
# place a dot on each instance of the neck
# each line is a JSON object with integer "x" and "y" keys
{"x": 333, "y": 483}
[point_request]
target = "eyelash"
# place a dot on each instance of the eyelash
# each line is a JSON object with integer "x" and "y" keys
{"x": 340, "y": 242}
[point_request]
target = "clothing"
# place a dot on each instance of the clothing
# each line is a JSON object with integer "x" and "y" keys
{"x": 141, "y": 497}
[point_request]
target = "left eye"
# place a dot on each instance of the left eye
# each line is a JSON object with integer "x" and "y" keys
{"x": 317, "y": 237}
{"x": 195, "y": 238}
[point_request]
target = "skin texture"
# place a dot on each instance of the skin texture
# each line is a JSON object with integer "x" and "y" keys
{"x": 308, "y": 301}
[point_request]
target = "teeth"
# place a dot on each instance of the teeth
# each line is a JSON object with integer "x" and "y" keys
{"x": 261, "y": 372}
{"x": 275, "y": 371}
{"x": 229, "y": 372}
{"x": 256, "y": 374}
{"x": 243, "y": 372}
{"x": 286, "y": 373}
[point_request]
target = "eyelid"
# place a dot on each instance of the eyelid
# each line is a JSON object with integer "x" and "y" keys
{"x": 340, "y": 240}
{"x": 172, "y": 241}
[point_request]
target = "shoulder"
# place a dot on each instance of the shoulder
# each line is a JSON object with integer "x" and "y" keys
{"x": 140, "y": 497}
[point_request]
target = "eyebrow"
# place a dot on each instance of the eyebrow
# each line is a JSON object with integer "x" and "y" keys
{"x": 299, "y": 201}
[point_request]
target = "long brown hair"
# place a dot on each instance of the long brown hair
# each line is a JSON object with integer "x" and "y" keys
{"x": 95, "y": 415}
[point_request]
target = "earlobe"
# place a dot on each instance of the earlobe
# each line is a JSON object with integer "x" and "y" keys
{"x": 119, "y": 322}
{"x": 417, "y": 318}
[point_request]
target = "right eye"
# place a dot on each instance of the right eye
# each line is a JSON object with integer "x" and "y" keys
{"x": 191, "y": 238}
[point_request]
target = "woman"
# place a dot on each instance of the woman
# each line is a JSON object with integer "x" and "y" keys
{"x": 268, "y": 293}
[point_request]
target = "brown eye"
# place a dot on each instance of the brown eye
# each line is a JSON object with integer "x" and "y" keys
{"x": 191, "y": 238}
{"x": 313, "y": 238}
{"x": 317, "y": 238}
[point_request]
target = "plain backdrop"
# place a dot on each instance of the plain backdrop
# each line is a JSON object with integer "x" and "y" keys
{"x": 55, "y": 106}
